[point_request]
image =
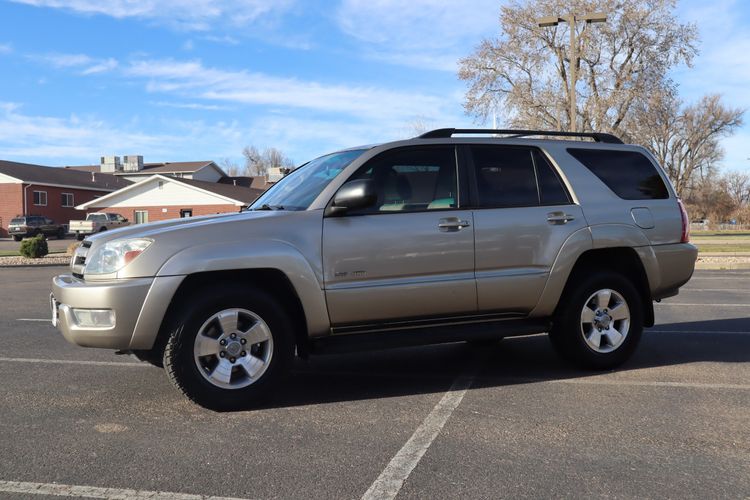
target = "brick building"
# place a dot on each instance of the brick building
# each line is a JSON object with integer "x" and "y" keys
{"x": 160, "y": 197}
{"x": 27, "y": 189}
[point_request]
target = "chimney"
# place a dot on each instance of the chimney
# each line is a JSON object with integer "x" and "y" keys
{"x": 110, "y": 164}
{"x": 133, "y": 163}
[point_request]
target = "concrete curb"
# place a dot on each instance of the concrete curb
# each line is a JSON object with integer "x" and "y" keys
{"x": 5, "y": 266}
{"x": 729, "y": 266}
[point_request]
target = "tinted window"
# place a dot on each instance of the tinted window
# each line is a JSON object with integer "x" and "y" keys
{"x": 628, "y": 173}
{"x": 505, "y": 176}
{"x": 413, "y": 180}
{"x": 20, "y": 221}
{"x": 551, "y": 189}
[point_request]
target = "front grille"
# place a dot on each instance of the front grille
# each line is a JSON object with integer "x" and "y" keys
{"x": 78, "y": 261}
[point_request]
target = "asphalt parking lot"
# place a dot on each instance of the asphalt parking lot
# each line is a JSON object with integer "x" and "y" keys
{"x": 445, "y": 421}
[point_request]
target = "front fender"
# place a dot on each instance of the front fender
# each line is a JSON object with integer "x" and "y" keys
{"x": 271, "y": 254}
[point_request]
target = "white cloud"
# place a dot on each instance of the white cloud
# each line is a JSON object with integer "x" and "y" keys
{"x": 430, "y": 34}
{"x": 199, "y": 15}
{"x": 87, "y": 64}
{"x": 56, "y": 140}
{"x": 194, "y": 80}
{"x": 189, "y": 105}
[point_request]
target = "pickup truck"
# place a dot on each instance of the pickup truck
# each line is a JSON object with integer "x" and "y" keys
{"x": 96, "y": 223}
{"x": 430, "y": 240}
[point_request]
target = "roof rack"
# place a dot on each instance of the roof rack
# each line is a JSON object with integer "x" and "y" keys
{"x": 445, "y": 133}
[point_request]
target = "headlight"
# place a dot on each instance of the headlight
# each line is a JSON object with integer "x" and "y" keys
{"x": 114, "y": 255}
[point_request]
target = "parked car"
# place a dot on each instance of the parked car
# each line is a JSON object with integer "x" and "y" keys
{"x": 33, "y": 225}
{"x": 96, "y": 223}
{"x": 446, "y": 237}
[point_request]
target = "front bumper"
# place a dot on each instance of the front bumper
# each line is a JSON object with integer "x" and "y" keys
{"x": 124, "y": 297}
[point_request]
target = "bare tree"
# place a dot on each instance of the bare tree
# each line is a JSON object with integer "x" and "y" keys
{"x": 230, "y": 167}
{"x": 257, "y": 163}
{"x": 738, "y": 187}
{"x": 524, "y": 71}
{"x": 685, "y": 139}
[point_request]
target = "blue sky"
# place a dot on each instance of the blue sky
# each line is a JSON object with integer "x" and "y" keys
{"x": 199, "y": 79}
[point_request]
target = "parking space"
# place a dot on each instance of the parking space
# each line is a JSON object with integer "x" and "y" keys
{"x": 510, "y": 420}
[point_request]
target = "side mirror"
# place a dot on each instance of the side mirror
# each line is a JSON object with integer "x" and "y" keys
{"x": 353, "y": 195}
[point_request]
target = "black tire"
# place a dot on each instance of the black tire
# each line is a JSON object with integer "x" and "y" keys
{"x": 567, "y": 334}
{"x": 154, "y": 358}
{"x": 80, "y": 237}
{"x": 17, "y": 238}
{"x": 61, "y": 234}
{"x": 190, "y": 316}
{"x": 102, "y": 229}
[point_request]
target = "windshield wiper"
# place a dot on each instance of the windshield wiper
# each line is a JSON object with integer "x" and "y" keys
{"x": 266, "y": 206}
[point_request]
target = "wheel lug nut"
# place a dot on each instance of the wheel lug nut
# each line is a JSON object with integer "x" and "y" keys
{"x": 231, "y": 360}
{"x": 243, "y": 353}
{"x": 234, "y": 335}
{"x": 223, "y": 342}
{"x": 222, "y": 354}
{"x": 243, "y": 341}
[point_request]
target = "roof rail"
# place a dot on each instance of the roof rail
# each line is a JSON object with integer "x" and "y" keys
{"x": 445, "y": 133}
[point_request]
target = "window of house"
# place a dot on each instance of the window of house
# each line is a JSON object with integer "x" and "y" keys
{"x": 141, "y": 216}
{"x": 40, "y": 198}
{"x": 67, "y": 200}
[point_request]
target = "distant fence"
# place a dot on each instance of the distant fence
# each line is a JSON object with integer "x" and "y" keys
{"x": 711, "y": 226}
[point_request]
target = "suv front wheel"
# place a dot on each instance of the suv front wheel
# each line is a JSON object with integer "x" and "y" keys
{"x": 599, "y": 322}
{"x": 229, "y": 347}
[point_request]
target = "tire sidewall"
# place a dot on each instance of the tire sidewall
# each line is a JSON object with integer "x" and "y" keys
{"x": 567, "y": 336}
{"x": 179, "y": 354}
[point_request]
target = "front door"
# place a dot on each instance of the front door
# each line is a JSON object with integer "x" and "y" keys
{"x": 411, "y": 255}
{"x": 523, "y": 216}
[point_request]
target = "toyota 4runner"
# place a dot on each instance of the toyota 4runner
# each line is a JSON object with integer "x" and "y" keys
{"x": 451, "y": 236}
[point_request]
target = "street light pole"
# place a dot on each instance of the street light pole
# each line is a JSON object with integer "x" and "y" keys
{"x": 571, "y": 19}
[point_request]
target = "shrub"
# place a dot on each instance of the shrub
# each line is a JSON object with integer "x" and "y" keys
{"x": 72, "y": 247}
{"x": 34, "y": 248}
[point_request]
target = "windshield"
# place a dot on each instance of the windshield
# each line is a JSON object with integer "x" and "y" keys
{"x": 20, "y": 221}
{"x": 297, "y": 190}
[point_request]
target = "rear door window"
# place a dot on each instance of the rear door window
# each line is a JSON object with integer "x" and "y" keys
{"x": 505, "y": 176}
{"x": 551, "y": 189}
{"x": 629, "y": 174}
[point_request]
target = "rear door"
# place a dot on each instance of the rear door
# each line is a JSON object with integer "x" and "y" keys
{"x": 523, "y": 214}
{"x": 411, "y": 255}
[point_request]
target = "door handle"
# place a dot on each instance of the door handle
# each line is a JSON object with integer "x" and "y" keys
{"x": 558, "y": 218}
{"x": 452, "y": 224}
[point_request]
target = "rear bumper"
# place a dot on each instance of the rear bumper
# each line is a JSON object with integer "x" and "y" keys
{"x": 676, "y": 265}
{"x": 138, "y": 304}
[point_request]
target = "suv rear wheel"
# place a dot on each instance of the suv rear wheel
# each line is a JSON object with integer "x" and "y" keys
{"x": 600, "y": 322}
{"x": 17, "y": 237}
{"x": 229, "y": 347}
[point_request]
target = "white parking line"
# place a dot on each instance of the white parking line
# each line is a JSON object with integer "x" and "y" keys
{"x": 647, "y": 383}
{"x": 390, "y": 481}
{"x": 68, "y": 490}
{"x": 695, "y": 305}
{"x": 72, "y": 362}
{"x": 715, "y": 290}
{"x": 702, "y": 332}
{"x": 47, "y": 320}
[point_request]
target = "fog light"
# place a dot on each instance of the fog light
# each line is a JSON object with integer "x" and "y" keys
{"x": 94, "y": 318}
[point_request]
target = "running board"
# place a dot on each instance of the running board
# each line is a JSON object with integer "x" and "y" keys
{"x": 426, "y": 335}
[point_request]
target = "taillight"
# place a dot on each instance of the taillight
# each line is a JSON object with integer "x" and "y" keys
{"x": 685, "y": 223}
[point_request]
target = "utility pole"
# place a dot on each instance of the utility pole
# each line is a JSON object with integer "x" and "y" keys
{"x": 571, "y": 19}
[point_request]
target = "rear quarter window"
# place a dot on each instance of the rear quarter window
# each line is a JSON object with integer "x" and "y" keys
{"x": 629, "y": 174}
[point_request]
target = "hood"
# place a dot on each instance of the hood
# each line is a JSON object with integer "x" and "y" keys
{"x": 154, "y": 229}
